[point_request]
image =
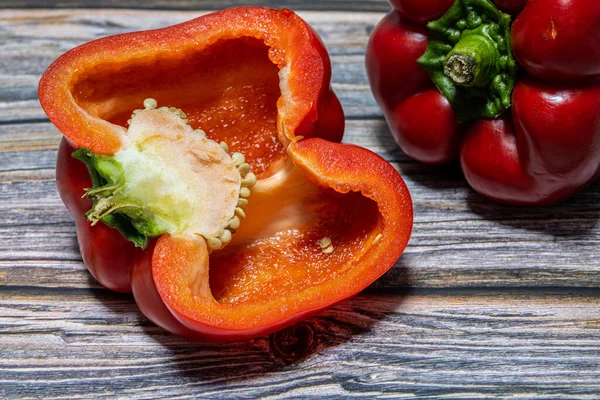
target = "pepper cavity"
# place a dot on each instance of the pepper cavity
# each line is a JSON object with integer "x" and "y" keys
{"x": 169, "y": 179}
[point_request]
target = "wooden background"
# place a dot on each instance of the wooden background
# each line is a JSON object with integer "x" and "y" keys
{"x": 487, "y": 301}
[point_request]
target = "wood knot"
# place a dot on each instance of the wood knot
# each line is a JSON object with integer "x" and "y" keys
{"x": 295, "y": 342}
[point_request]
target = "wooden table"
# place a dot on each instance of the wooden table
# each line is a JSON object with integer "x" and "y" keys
{"x": 487, "y": 301}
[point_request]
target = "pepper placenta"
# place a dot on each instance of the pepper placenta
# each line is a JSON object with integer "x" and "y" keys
{"x": 509, "y": 87}
{"x": 202, "y": 165}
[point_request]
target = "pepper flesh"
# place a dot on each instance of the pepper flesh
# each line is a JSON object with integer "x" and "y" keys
{"x": 536, "y": 152}
{"x": 277, "y": 108}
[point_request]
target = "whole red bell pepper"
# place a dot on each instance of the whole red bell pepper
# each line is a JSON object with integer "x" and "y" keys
{"x": 234, "y": 212}
{"x": 509, "y": 87}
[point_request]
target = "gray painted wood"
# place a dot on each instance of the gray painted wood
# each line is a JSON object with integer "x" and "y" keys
{"x": 487, "y": 301}
{"x": 327, "y": 5}
{"x": 465, "y": 344}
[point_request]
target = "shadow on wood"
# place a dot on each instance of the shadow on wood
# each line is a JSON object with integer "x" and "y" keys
{"x": 447, "y": 176}
{"x": 294, "y": 345}
{"x": 571, "y": 218}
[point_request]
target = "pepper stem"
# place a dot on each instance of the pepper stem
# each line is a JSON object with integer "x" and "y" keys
{"x": 469, "y": 59}
{"x": 100, "y": 191}
{"x": 105, "y": 206}
{"x": 460, "y": 68}
{"x": 473, "y": 61}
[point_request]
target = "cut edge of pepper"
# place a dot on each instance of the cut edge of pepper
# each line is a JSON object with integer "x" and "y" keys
{"x": 84, "y": 129}
{"x": 381, "y": 184}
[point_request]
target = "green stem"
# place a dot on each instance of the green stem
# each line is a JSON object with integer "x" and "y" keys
{"x": 473, "y": 61}
{"x": 105, "y": 206}
{"x": 101, "y": 191}
{"x": 469, "y": 59}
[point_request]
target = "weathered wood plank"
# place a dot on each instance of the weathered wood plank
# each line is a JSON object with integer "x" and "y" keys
{"x": 62, "y": 335}
{"x": 40, "y": 29}
{"x": 34, "y": 38}
{"x": 329, "y": 5}
{"x": 465, "y": 344}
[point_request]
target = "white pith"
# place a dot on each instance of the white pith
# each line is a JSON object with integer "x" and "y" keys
{"x": 189, "y": 182}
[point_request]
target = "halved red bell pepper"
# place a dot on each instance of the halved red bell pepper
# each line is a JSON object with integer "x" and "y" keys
{"x": 515, "y": 97}
{"x": 222, "y": 253}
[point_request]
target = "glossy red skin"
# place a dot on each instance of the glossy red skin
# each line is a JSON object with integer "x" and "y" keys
{"x": 428, "y": 140}
{"x": 555, "y": 105}
{"x": 558, "y": 40}
{"x": 108, "y": 256}
{"x": 421, "y": 11}
{"x": 148, "y": 299}
{"x": 511, "y": 6}
{"x": 118, "y": 265}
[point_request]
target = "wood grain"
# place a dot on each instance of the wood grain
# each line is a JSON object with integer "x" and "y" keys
{"x": 328, "y": 5}
{"x": 488, "y": 300}
{"x": 467, "y": 344}
{"x": 82, "y": 343}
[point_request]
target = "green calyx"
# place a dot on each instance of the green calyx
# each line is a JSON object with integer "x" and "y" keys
{"x": 470, "y": 60}
{"x": 131, "y": 219}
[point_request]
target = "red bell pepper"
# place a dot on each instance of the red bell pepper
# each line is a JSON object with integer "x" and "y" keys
{"x": 509, "y": 87}
{"x": 164, "y": 201}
